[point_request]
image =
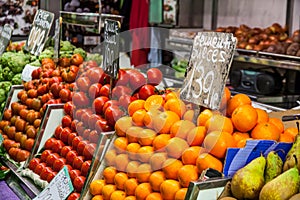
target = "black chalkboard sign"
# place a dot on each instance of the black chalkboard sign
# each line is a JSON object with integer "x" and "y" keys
{"x": 208, "y": 68}
{"x": 39, "y": 32}
{"x": 111, "y": 47}
{"x": 5, "y": 37}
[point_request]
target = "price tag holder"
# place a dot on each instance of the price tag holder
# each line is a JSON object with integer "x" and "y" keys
{"x": 111, "y": 47}
{"x": 208, "y": 68}
{"x": 59, "y": 188}
{"x": 27, "y": 71}
{"x": 39, "y": 32}
{"x": 5, "y": 37}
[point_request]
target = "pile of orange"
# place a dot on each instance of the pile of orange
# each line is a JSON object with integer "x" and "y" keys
{"x": 163, "y": 145}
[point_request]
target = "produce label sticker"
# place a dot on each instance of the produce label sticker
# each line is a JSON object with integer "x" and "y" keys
{"x": 39, "y": 32}
{"x": 111, "y": 47}
{"x": 5, "y": 37}
{"x": 208, "y": 68}
{"x": 59, "y": 188}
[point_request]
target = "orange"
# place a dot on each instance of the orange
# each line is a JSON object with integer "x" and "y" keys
{"x": 244, "y": 118}
{"x": 285, "y": 138}
{"x": 175, "y": 105}
{"x": 150, "y": 116}
{"x": 144, "y": 153}
{"x": 146, "y": 137}
{"x": 238, "y": 136}
{"x": 157, "y": 159}
{"x": 225, "y": 98}
{"x": 181, "y": 128}
{"x": 164, "y": 120}
{"x": 278, "y": 123}
{"x": 142, "y": 191}
{"x": 172, "y": 95}
{"x": 130, "y": 198}
{"x": 242, "y": 143}
{"x": 131, "y": 168}
{"x": 130, "y": 186}
{"x": 180, "y": 194}
{"x": 109, "y": 175}
{"x": 217, "y": 142}
{"x": 121, "y": 162}
{"x": 118, "y": 195}
{"x": 219, "y": 122}
{"x": 132, "y": 150}
{"x": 265, "y": 131}
{"x": 176, "y": 147}
{"x": 186, "y": 174}
{"x": 190, "y": 155}
{"x": 292, "y": 131}
{"x": 189, "y": 115}
{"x": 122, "y": 125}
{"x": 171, "y": 167}
{"x": 160, "y": 142}
{"x": 196, "y": 136}
{"x": 107, "y": 190}
{"x": 156, "y": 179}
{"x": 203, "y": 117}
{"x": 262, "y": 115}
{"x": 236, "y": 101}
{"x": 143, "y": 173}
{"x": 138, "y": 117}
{"x": 96, "y": 186}
{"x": 110, "y": 156}
{"x": 120, "y": 179}
{"x": 120, "y": 144}
{"x": 154, "y": 101}
{"x": 97, "y": 197}
{"x": 206, "y": 160}
{"x": 154, "y": 196}
{"x": 132, "y": 133}
{"x": 168, "y": 189}
{"x": 135, "y": 105}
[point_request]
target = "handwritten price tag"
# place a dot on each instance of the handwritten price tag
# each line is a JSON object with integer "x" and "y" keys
{"x": 111, "y": 47}
{"x": 208, "y": 68}
{"x": 5, "y": 37}
{"x": 39, "y": 32}
{"x": 59, "y": 188}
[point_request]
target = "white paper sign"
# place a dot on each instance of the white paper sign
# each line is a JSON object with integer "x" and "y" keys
{"x": 27, "y": 71}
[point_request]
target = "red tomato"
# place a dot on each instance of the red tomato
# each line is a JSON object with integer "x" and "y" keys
{"x": 146, "y": 91}
{"x": 69, "y": 74}
{"x": 92, "y": 121}
{"x": 98, "y": 104}
{"x": 76, "y": 59}
{"x": 66, "y": 121}
{"x": 108, "y": 104}
{"x": 45, "y": 172}
{"x": 74, "y": 196}
{"x": 83, "y": 83}
{"x": 42, "y": 89}
{"x": 105, "y": 90}
{"x": 45, "y": 154}
{"x": 74, "y": 173}
{"x": 39, "y": 168}
{"x": 71, "y": 155}
{"x": 58, "y": 131}
{"x": 51, "y": 158}
{"x": 65, "y": 150}
{"x": 58, "y": 164}
{"x": 85, "y": 167}
{"x": 112, "y": 114}
{"x": 33, "y": 163}
{"x": 55, "y": 88}
{"x": 75, "y": 141}
{"x": 80, "y": 100}
{"x": 71, "y": 137}
{"x": 102, "y": 125}
{"x": 94, "y": 136}
{"x": 89, "y": 150}
{"x": 154, "y": 76}
{"x": 120, "y": 90}
{"x": 49, "y": 143}
{"x": 32, "y": 93}
{"x": 50, "y": 176}
{"x": 69, "y": 108}
{"x": 77, "y": 162}
{"x": 80, "y": 128}
{"x": 78, "y": 183}
{"x": 124, "y": 101}
{"x": 46, "y": 97}
{"x": 58, "y": 145}
{"x": 95, "y": 74}
{"x": 36, "y": 73}
{"x": 123, "y": 78}
{"x": 94, "y": 90}
{"x": 136, "y": 79}
{"x": 55, "y": 73}
{"x": 65, "y": 95}
{"x": 81, "y": 145}
{"x": 86, "y": 133}
{"x": 65, "y": 134}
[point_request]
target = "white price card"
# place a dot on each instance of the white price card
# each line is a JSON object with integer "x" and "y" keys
{"x": 208, "y": 68}
{"x": 27, "y": 71}
{"x": 5, "y": 37}
{"x": 59, "y": 188}
{"x": 40, "y": 29}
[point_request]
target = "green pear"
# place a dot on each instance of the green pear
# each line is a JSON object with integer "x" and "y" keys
{"x": 282, "y": 187}
{"x": 290, "y": 160}
{"x": 273, "y": 166}
{"x": 247, "y": 182}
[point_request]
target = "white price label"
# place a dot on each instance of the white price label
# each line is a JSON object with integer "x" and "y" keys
{"x": 208, "y": 68}
{"x": 27, "y": 71}
{"x": 5, "y": 37}
{"x": 59, "y": 188}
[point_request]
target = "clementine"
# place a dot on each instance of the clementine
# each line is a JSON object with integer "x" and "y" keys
{"x": 157, "y": 159}
{"x": 118, "y": 195}
{"x": 156, "y": 179}
{"x": 292, "y": 131}
{"x": 206, "y": 160}
{"x": 196, "y": 136}
{"x": 122, "y": 125}
{"x": 135, "y": 105}
{"x": 190, "y": 155}
{"x": 219, "y": 122}
{"x": 121, "y": 162}
{"x": 163, "y": 121}
{"x": 265, "y": 131}
{"x": 131, "y": 168}
{"x": 130, "y": 186}
{"x": 142, "y": 191}
{"x": 278, "y": 123}
{"x": 120, "y": 179}
{"x": 176, "y": 147}
{"x": 154, "y": 102}
{"x": 160, "y": 142}
{"x": 244, "y": 118}
{"x": 143, "y": 173}
{"x": 154, "y": 196}
{"x": 180, "y": 194}
{"x": 120, "y": 144}
{"x": 132, "y": 133}
{"x": 132, "y": 150}
{"x": 236, "y": 101}
{"x": 96, "y": 186}
{"x": 171, "y": 167}
{"x": 181, "y": 128}
{"x": 146, "y": 137}
{"x": 262, "y": 115}
{"x": 109, "y": 174}
{"x": 168, "y": 189}
{"x": 138, "y": 117}
{"x": 203, "y": 117}
{"x": 175, "y": 105}
{"x": 186, "y": 174}
{"x": 144, "y": 153}
{"x": 107, "y": 190}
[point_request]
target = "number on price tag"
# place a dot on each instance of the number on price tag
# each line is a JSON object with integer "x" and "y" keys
{"x": 5, "y": 37}
{"x": 59, "y": 188}
{"x": 208, "y": 68}
{"x": 39, "y": 32}
{"x": 111, "y": 47}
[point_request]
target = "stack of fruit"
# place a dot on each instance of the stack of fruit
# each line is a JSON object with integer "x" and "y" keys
{"x": 161, "y": 148}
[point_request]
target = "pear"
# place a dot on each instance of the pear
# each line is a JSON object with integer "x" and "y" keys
{"x": 247, "y": 182}
{"x": 273, "y": 166}
{"x": 282, "y": 187}
{"x": 290, "y": 160}
{"x": 295, "y": 197}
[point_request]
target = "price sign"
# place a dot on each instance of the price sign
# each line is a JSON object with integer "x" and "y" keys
{"x": 39, "y": 32}
{"x": 111, "y": 47}
{"x": 5, "y": 37}
{"x": 208, "y": 68}
{"x": 27, "y": 71}
{"x": 59, "y": 188}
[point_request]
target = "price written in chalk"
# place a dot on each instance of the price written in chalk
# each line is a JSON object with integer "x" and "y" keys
{"x": 208, "y": 68}
{"x": 39, "y": 32}
{"x": 59, "y": 188}
{"x": 111, "y": 47}
{"x": 5, "y": 37}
